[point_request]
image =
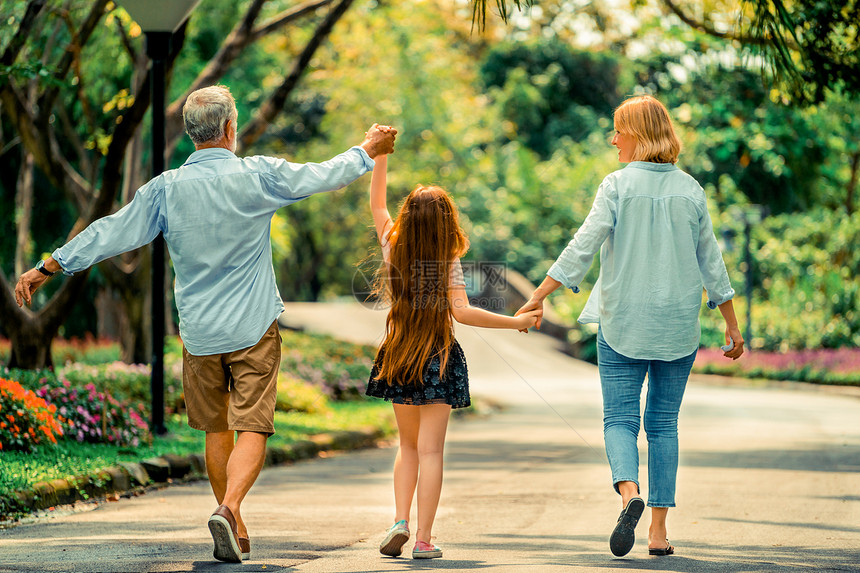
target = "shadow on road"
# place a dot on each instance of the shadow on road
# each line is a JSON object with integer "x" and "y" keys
{"x": 573, "y": 551}
{"x": 820, "y": 457}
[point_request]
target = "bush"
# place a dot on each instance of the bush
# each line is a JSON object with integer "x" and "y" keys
{"x": 31, "y": 379}
{"x": 128, "y": 382}
{"x": 338, "y": 368}
{"x": 97, "y": 417}
{"x": 26, "y": 420}
{"x": 87, "y": 350}
{"x": 297, "y": 395}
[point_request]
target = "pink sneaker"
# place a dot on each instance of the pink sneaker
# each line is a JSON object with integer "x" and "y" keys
{"x": 424, "y": 550}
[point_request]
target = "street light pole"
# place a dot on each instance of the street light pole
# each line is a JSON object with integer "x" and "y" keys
{"x": 158, "y": 19}
{"x": 158, "y": 49}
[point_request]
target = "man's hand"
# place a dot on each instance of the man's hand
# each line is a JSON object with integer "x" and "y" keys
{"x": 27, "y": 285}
{"x": 379, "y": 140}
{"x": 529, "y": 306}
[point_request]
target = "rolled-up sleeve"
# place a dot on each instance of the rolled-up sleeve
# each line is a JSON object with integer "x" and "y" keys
{"x": 573, "y": 263}
{"x": 133, "y": 226}
{"x": 715, "y": 278}
{"x": 291, "y": 182}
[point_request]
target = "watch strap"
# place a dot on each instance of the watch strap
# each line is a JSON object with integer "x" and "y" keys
{"x": 40, "y": 266}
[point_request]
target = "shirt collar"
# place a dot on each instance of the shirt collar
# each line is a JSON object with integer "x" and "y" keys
{"x": 649, "y": 166}
{"x": 209, "y": 154}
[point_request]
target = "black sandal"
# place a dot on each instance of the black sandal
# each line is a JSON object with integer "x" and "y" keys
{"x": 623, "y": 536}
{"x": 668, "y": 550}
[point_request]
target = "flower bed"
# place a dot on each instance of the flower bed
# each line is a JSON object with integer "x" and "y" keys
{"x": 27, "y": 420}
{"x": 825, "y": 366}
{"x": 97, "y": 417}
{"x": 128, "y": 382}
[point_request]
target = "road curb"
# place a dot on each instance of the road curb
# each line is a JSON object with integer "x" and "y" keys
{"x": 134, "y": 478}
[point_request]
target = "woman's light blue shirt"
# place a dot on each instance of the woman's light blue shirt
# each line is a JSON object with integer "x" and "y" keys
{"x": 215, "y": 213}
{"x": 657, "y": 248}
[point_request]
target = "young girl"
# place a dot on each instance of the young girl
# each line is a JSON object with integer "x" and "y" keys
{"x": 420, "y": 366}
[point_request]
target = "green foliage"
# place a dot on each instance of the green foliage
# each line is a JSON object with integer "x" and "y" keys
{"x": 552, "y": 92}
{"x": 773, "y": 153}
{"x": 296, "y": 395}
{"x": 806, "y": 294}
{"x": 31, "y": 379}
{"x": 129, "y": 382}
{"x": 339, "y": 369}
{"x": 814, "y": 45}
{"x": 70, "y": 459}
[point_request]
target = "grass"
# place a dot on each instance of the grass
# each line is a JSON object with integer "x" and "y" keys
{"x": 70, "y": 459}
{"x": 338, "y": 369}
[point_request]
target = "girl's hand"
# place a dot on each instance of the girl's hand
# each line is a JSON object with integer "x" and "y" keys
{"x": 526, "y": 320}
{"x": 532, "y": 305}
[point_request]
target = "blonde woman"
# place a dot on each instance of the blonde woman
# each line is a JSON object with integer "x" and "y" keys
{"x": 657, "y": 248}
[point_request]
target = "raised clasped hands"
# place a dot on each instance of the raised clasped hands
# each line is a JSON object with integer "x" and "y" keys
{"x": 533, "y": 308}
{"x": 379, "y": 140}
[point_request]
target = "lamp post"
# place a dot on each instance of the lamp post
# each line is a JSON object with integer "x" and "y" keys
{"x": 158, "y": 19}
{"x": 749, "y": 215}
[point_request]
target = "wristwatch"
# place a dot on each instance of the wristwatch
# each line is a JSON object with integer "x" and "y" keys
{"x": 40, "y": 266}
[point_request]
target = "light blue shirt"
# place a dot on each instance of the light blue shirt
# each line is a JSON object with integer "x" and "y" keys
{"x": 657, "y": 248}
{"x": 215, "y": 213}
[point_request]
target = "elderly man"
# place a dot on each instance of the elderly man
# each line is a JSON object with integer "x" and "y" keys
{"x": 215, "y": 213}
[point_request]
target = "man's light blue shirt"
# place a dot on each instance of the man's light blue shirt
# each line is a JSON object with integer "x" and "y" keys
{"x": 215, "y": 212}
{"x": 657, "y": 248}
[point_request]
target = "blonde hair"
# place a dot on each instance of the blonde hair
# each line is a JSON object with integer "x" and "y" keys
{"x": 648, "y": 121}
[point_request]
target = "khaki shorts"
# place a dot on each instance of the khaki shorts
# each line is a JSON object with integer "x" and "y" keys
{"x": 234, "y": 391}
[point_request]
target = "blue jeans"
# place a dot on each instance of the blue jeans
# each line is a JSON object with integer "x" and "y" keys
{"x": 621, "y": 379}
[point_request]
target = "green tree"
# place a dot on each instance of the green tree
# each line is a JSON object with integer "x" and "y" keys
{"x": 551, "y": 91}
{"x": 73, "y": 95}
{"x": 811, "y": 46}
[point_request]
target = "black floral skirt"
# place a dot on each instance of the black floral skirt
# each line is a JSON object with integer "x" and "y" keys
{"x": 451, "y": 389}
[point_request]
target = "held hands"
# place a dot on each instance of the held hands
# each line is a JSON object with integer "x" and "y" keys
{"x": 28, "y": 283}
{"x": 532, "y": 306}
{"x": 379, "y": 140}
{"x": 527, "y": 320}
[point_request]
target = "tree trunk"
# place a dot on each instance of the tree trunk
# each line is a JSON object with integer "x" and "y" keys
{"x": 31, "y": 345}
{"x": 136, "y": 325}
{"x": 24, "y": 214}
{"x": 127, "y": 277}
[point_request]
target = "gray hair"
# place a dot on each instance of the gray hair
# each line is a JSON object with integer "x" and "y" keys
{"x": 206, "y": 112}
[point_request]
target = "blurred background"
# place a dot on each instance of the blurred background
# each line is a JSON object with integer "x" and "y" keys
{"x": 513, "y": 117}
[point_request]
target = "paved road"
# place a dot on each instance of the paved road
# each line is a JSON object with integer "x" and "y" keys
{"x": 769, "y": 481}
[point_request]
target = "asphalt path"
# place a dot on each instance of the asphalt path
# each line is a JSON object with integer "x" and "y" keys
{"x": 769, "y": 481}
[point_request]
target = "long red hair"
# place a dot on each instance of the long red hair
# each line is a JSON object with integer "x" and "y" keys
{"x": 424, "y": 241}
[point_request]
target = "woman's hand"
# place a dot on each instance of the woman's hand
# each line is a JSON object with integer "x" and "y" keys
{"x": 527, "y": 319}
{"x": 532, "y": 305}
{"x": 733, "y": 332}
{"x": 733, "y": 336}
